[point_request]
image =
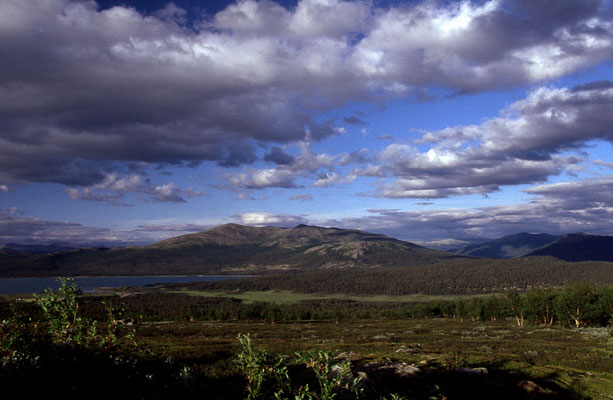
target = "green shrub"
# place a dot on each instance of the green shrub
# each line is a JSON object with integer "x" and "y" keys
{"x": 266, "y": 373}
{"x": 61, "y": 312}
{"x": 22, "y": 342}
{"x": 332, "y": 376}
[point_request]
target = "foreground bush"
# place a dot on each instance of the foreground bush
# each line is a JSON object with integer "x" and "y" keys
{"x": 267, "y": 374}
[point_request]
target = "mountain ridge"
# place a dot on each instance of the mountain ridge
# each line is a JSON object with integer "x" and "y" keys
{"x": 232, "y": 249}
{"x": 573, "y": 247}
{"x": 578, "y": 247}
{"x": 300, "y": 235}
{"x": 509, "y": 246}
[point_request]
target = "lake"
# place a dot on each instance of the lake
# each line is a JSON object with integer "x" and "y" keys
{"x": 92, "y": 283}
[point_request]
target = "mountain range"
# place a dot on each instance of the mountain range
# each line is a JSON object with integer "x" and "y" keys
{"x": 230, "y": 249}
{"x": 238, "y": 249}
{"x": 571, "y": 247}
{"x": 38, "y": 248}
{"x": 510, "y": 246}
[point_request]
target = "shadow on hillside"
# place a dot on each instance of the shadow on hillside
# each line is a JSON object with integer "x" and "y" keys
{"x": 79, "y": 375}
{"x": 486, "y": 383}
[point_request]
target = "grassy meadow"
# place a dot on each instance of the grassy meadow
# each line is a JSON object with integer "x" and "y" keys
{"x": 288, "y": 297}
{"x": 566, "y": 363}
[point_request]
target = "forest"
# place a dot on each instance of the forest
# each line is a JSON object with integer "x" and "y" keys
{"x": 471, "y": 276}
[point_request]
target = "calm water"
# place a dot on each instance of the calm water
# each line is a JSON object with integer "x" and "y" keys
{"x": 87, "y": 284}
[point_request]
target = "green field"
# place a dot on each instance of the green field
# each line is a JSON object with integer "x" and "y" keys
{"x": 288, "y": 297}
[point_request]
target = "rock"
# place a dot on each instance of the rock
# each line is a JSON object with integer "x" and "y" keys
{"x": 531, "y": 387}
{"x": 472, "y": 371}
{"x": 366, "y": 385}
{"x": 406, "y": 370}
{"x": 336, "y": 371}
{"x": 348, "y": 355}
{"x": 363, "y": 376}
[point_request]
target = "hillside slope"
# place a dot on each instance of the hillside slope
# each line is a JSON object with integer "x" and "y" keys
{"x": 509, "y": 246}
{"x": 578, "y": 247}
{"x": 231, "y": 249}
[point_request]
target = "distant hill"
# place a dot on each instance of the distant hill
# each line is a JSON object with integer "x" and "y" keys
{"x": 270, "y": 236}
{"x": 230, "y": 249}
{"x": 578, "y": 247}
{"x": 511, "y": 246}
{"x": 37, "y": 248}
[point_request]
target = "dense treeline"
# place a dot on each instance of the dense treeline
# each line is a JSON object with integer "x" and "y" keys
{"x": 475, "y": 276}
{"x": 575, "y": 305}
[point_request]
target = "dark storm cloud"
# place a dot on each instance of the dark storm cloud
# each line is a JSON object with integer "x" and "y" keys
{"x": 278, "y": 156}
{"x": 354, "y": 120}
{"x": 82, "y": 88}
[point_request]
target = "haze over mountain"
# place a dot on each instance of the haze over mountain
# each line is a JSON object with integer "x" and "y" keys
{"x": 578, "y": 247}
{"x": 451, "y": 245}
{"x": 38, "y": 248}
{"x": 572, "y": 247}
{"x": 231, "y": 249}
{"x": 507, "y": 246}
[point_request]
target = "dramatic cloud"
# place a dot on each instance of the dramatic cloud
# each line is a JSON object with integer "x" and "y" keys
{"x": 82, "y": 90}
{"x": 470, "y": 47}
{"x": 278, "y": 156}
{"x": 594, "y": 194}
{"x": 524, "y": 145}
{"x": 286, "y": 174}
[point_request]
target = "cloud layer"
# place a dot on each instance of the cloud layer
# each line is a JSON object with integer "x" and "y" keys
{"x": 83, "y": 90}
{"x": 113, "y": 188}
{"x": 579, "y": 206}
{"x": 525, "y": 145}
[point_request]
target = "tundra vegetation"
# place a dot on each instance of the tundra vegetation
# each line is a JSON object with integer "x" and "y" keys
{"x": 159, "y": 343}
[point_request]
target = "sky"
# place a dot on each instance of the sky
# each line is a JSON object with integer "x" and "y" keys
{"x": 127, "y": 122}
